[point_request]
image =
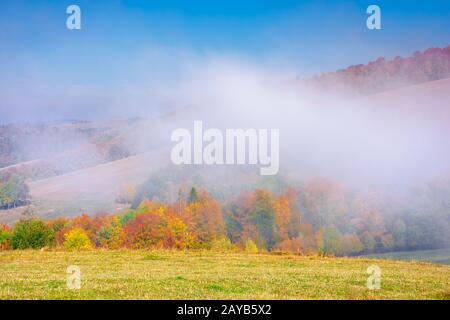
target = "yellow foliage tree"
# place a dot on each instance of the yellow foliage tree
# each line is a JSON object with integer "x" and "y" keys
{"x": 250, "y": 246}
{"x": 77, "y": 239}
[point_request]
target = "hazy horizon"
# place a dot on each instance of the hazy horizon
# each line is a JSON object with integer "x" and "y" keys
{"x": 129, "y": 55}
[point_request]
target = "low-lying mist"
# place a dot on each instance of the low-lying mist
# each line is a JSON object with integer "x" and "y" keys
{"x": 392, "y": 140}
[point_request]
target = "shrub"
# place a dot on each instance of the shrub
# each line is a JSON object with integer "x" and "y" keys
{"x": 111, "y": 236}
{"x": 77, "y": 239}
{"x": 127, "y": 216}
{"x": 176, "y": 235}
{"x": 351, "y": 244}
{"x": 221, "y": 245}
{"x": 295, "y": 245}
{"x": 5, "y": 237}
{"x": 145, "y": 231}
{"x": 203, "y": 218}
{"x": 59, "y": 227}
{"x": 32, "y": 233}
{"x": 330, "y": 241}
{"x": 91, "y": 226}
{"x": 250, "y": 246}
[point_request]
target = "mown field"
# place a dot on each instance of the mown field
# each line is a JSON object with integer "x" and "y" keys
{"x": 209, "y": 275}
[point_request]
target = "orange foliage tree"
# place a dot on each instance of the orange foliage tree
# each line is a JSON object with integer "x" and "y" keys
{"x": 204, "y": 219}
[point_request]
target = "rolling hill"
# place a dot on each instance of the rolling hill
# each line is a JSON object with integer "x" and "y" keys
{"x": 94, "y": 189}
{"x": 91, "y": 190}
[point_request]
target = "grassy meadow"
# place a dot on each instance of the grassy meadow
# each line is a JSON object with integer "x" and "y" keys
{"x": 124, "y": 274}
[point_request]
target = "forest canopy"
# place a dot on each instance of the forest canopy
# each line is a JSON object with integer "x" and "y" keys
{"x": 320, "y": 217}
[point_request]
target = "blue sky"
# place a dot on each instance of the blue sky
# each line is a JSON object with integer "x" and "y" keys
{"x": 121, "y": 43}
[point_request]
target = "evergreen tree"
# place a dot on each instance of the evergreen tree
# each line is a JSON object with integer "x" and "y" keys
{"x": 193, "y": 196}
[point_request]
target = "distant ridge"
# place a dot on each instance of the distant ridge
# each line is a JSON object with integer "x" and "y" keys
{"x": 381, "y": 75}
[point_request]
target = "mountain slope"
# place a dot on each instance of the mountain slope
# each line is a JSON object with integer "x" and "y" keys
{"x": 90, "y": 190}
{"x": 94, "y": 189}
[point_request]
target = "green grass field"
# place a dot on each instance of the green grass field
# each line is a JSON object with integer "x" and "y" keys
{"x": 209, "y": 275}
{"x": 436, "y": 256}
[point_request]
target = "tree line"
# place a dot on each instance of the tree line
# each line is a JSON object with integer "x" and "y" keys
{"x": 320, "y": 218}
{"x": 380, "y": 75}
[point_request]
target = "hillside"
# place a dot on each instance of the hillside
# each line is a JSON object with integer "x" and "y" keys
{"x": 381, "y": 75}
{"x": 91, "y": 190}
{"x": 94, "y": 189}
{"x": 213, "y": 275}
{"x": 428, "y": 96}
{"x": 42, "y": 150}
